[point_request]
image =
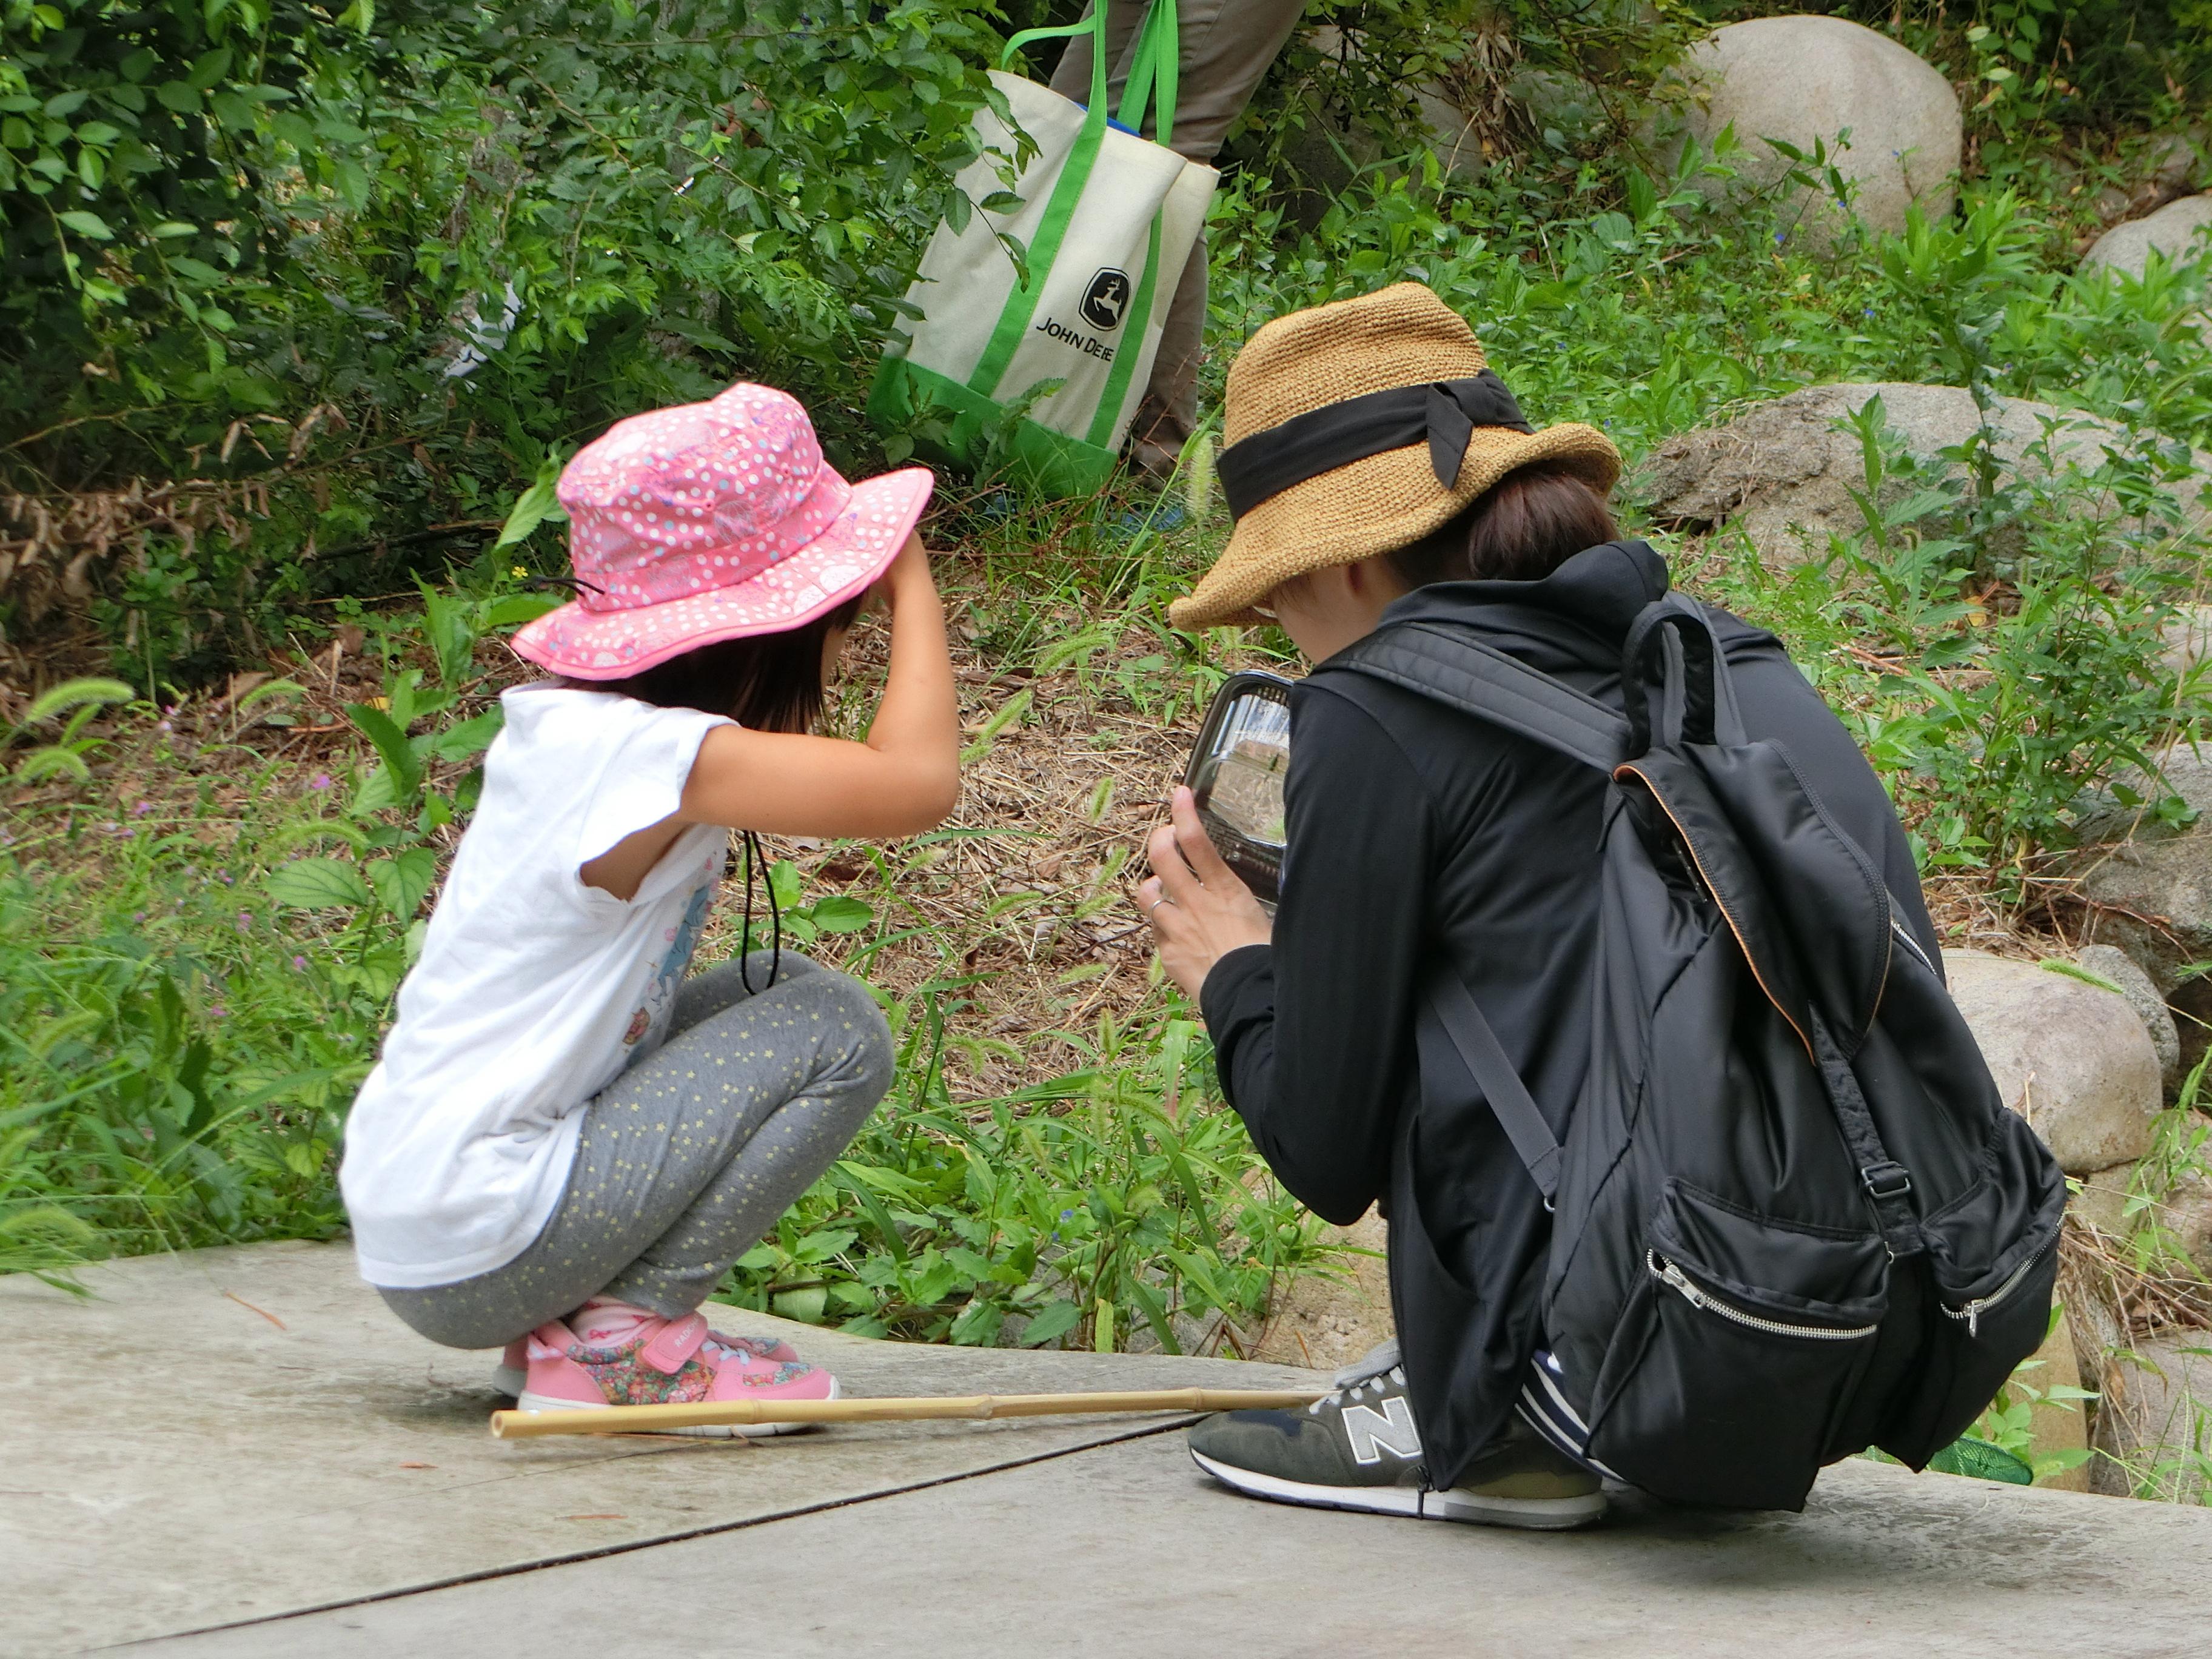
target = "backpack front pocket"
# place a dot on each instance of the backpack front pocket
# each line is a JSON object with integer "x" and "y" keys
{"x": 1736, "y": 1355}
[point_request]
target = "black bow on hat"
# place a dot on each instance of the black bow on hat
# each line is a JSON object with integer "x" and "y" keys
{"x": 1445, "y": 412}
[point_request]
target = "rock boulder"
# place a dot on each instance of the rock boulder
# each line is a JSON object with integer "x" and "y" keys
{"x": 2073, "y": 1060}
{"x": 2149, "y": 887}
{"x": 2109, "y": 962}
{"x": 2176, "y": 230}
{"x": 1804, "y": 80}
{"x": 2154, "y": 1420}
{"x": 1785, "y": 472}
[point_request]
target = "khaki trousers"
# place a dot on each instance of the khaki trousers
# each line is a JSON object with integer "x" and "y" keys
{"x": 1226, "y": 47}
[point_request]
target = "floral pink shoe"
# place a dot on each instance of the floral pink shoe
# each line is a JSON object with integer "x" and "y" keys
{"x": 511, "y": 1374}
{"x": 678, "y": 1362}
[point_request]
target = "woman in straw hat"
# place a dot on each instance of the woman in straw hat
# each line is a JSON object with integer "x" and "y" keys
{"x": 1380, "y": 474}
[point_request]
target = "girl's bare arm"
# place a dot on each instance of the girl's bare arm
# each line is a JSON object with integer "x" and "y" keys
{"x": 902, "y": 779}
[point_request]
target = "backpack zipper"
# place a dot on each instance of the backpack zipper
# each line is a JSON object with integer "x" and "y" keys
{"x": 1697, "y": 1296}
{"x": 1972, "y": 1312}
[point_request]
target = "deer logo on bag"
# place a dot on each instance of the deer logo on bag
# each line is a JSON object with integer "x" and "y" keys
{"x": 1106, "y": 299}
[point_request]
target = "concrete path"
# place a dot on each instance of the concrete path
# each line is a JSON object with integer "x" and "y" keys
{"x": 327, "y": 1488}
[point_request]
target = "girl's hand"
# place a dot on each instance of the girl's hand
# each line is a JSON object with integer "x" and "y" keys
{"x": 1200, "y": 910}
{"x": 902, "y": 779}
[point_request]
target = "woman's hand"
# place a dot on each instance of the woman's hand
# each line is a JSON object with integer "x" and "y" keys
{"x": 1200, "y": 910}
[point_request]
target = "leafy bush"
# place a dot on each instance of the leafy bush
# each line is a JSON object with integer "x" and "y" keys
{"x": 1997, "y": 639}
{"x": 359, "y": 277}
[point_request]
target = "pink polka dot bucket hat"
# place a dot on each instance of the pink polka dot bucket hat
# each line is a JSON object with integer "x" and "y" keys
{"x": 713, "y": 521}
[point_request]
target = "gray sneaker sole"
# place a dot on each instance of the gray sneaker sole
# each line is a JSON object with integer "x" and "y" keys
{"x": 1530, "y": 1513}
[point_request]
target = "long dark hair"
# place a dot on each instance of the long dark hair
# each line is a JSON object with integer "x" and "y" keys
{"x": 1521, "y": 529}
{"x": 767, "y": 682}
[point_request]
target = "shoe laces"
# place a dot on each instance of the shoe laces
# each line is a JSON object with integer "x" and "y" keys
{"x": 1380, "y": 1383}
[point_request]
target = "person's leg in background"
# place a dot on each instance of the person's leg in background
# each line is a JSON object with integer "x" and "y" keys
{"x": 689, "y": 1158}
{"x": 1226, "y": 47}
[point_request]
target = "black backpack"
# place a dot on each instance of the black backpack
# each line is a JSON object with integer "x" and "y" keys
{"x": 1791, "y": 1217}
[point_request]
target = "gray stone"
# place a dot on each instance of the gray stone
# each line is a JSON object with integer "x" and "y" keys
{"x": 2109, "y": 962}
{"x": 1804, "y": 80}
{"x": 2185, "y": 1213}
{"x": 311, "y": 1480}
{"x": 1127, "y": 1549}
{"x": 2150, "y": 886}
{"x": 2171, "y": 164}
{"x": 2102, "y": 1200}
{"x": 2176, "y": 230}
{"x": 300, "y": 1447}
{"x": 2154, "y": 1420}
{"x": 1784, "y": 471}
{"x": 2188, "y": 639}
{"x": 2073, "y": 1060}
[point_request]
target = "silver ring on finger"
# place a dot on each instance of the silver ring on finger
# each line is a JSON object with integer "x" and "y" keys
{"x": 1156, "y": 903}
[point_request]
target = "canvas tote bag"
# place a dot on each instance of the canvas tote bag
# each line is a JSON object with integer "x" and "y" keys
{"x": 1108, "y": 220}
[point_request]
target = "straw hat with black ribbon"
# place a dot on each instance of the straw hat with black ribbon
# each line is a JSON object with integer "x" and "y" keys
{"x": 1359, "y": 426}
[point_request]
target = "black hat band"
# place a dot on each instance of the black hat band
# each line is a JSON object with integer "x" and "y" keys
{"x": 1443, "y": 412}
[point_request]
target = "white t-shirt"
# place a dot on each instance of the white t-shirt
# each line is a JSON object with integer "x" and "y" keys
{"x": 533, "y": 990}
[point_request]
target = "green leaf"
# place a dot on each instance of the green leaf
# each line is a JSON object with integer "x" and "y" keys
{"x": 470, "y": 737}
{"x": 532, "y": 508}
{"x": 820, "y": 1247}
{"x": 316, "y": 884}
{"x": 210, "y": 68}
{"x": 1055, "y": 1321}
{"x": 401, "y": 764}
{"x": 87, "y": 224}
{"x": 404, "y": 881}
{"x": 839, "y": 914}
{"x": 179, "y": 97}
{"x": 804, "y": 1306}
{"x": 98, "y": 132}
{"x": 518, "y": 608}
{"x": 350, "y": 179}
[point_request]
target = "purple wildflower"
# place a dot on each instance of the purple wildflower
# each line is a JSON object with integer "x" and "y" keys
{"x": 320, "y": 781}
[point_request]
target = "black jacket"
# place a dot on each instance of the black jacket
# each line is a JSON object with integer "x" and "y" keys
{"x": 1415, "y": 830}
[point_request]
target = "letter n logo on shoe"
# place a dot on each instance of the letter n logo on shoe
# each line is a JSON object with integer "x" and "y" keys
{"x": 1372, "y": 1432}
{"x": 1106, "y": 299}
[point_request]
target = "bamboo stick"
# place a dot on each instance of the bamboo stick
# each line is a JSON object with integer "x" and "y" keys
{"x": 664, "y": 1419}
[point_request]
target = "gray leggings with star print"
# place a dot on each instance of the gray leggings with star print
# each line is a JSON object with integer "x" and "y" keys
{"x": 690, "y": 1155}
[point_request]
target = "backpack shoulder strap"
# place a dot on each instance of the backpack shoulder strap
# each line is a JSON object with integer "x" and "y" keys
{"x": 1508, "y": 1096}
{"x": 1448, "y": 665}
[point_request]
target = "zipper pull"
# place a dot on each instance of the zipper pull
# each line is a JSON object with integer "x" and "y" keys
{"x": 1680, "y": 1281}
{"x": 1974, "y": 1318}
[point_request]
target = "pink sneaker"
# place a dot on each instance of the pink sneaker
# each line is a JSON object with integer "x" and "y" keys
{"x": 677, "y": 1362}
{"x": 511, "y": 1374}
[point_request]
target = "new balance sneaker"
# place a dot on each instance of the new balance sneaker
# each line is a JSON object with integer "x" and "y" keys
{"x": 667, "y": 1362}
{"x": 511, "y": 1374}
{"x": 1358, "y": 1448}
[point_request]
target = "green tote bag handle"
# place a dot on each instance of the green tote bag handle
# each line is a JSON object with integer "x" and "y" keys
{"x": 1152, "y": 68}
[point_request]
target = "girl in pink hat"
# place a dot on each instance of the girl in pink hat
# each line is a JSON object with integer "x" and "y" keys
{"x": 567, "y": 1142}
